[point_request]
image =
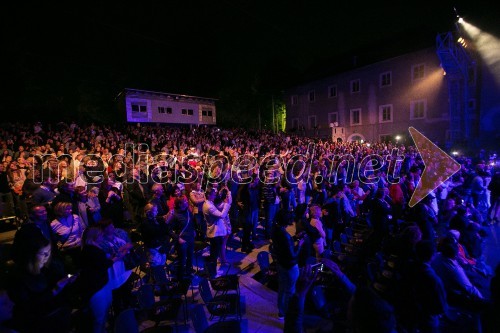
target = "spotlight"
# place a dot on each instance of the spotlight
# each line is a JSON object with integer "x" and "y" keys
{"x": 454, "y": 153}
{"x": 398, "y": 137}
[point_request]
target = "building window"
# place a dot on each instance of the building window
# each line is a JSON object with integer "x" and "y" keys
{"x": 169, "y": 110}
{"x": 312, "y": 122}
{"x": 188, "y": 112}
{"x": 385, "y": 114}
{"x": 332, "y": 91}
{"x": 295, "y": 123}
{"x": 295, "y": 99}
{"x": 355, "y": 86}
{"x": 206, "y": 113}
{"x": 418, "y": 72}
{"x": 312, "y": 96}
{"x": 418, "y": 109}
{"x": 333, "y": 117}
{"x": 355, "y": 117}
{"x": 386, "y": 79}
{"x": 385, "y": 138}
{"x": 161, "y": 109}
{"x": 139, "y": 110}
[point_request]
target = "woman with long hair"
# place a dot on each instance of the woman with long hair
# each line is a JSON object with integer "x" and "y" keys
{"x": 37, "y": 286}
{"x": 93, "y": 278}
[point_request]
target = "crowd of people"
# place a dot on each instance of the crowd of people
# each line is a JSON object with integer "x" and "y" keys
{"x": 79, "y": 191}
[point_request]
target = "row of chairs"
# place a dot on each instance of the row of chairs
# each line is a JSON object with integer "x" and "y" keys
{"x": 163, "y": 297}
{"x": 126, "y": 322}
{"x": 221, "y": 298}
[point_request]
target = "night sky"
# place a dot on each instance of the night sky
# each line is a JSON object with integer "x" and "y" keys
{"x": 71, "y": 60}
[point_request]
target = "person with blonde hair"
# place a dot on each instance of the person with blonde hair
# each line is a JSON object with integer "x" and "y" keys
{"x": 67, "y": 229}
{"x": 319, "y": 243}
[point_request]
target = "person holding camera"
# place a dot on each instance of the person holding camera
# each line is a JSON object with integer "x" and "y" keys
{"x": 156, "y": 237}
{"x": 287, "y": 252}
{"x": 183, "y": 233}
{"x": 216, "y": 227}
{"x": 223, "y": 194}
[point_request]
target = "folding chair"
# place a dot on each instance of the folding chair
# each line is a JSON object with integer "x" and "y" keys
{"x": 158, "y": 311}
{"x": 220, "y": 305}
{"x": 200, "y": 322}
{"x": 126, "y": 322}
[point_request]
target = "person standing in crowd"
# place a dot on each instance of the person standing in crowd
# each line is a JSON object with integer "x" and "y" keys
{"x": 269, "y": 194}
{"x": 159, "y": 200}
{"x": 381, "y": 215}
{"x": 219, "y": 200}
{"x": 176, "y": 193}
{"x": 318, "y": 242}
{"x": 249, "y": 202}
{"x": 156, "y": 237}
{"x": 137, "y": 194}
{"x": 286, "y": 252}
{"x": 17, "y": 176}
{"x": 183, "y": 234}
{"x": 216, "y": 228}
{"x": 112, "y": 204}
{"x": 6, "y": 198}
{"x": 494, "y": 188}
{"x": 196, "y": 200}
{"x": 93, "y": 279}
